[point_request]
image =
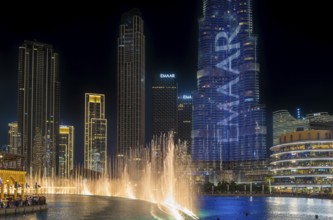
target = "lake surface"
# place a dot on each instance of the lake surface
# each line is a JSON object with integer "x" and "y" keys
{"x": 210, "y": 208}
{"x": 94, "y": 207}
{"x": 267, "y": 208}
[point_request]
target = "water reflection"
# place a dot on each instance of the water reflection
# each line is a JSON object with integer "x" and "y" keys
{"x": 211, "y": 208}
{"x": 270, "y": 208}
{"x": 94, "y": 207}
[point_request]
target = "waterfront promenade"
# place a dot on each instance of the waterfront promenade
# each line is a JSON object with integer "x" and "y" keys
{"x": 19, "y": 206}
{"x": 22, "y": 209}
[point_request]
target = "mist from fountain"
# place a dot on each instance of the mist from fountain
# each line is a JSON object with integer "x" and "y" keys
{"x": 159, "y": 173}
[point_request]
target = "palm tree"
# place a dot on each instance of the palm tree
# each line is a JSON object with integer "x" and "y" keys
{"x": 269, "y": 179}
{"x": 250, "y": 179}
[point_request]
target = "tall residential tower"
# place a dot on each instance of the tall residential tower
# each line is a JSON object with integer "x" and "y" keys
{"x": 14, "y": 139}
{"x": 95, "y": 133}
{"x": 38, "y": 106}
{"x": 131, "y": 83}
{"x": 66, "y": 150}
{"x": 228, "y": 122}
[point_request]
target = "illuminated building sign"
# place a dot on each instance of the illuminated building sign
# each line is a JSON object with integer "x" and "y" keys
{"x": 187, "y": 97}
{"x": 167, "y": 75}
{"x": 233, "y": 51}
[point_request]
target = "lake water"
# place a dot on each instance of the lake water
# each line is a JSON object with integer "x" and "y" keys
{"x": 210, "y": 207}
{"x": 94, "y": 207}
{"x": 267, "y": 208}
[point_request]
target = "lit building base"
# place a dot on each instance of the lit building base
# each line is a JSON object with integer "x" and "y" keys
{"x": 303, "y": 188}
{"x": 240, "y": 171}
{"x": 13, "y": 182}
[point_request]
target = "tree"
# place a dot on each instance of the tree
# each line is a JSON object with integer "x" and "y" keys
{"x": 233, "y": 186}
{"x": 269, "y": 179}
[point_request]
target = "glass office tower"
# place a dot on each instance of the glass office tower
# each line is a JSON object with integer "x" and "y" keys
{"x": 185, "y": 120}
{"x": 228, "y": 121}
{"x": 164, "y": 103}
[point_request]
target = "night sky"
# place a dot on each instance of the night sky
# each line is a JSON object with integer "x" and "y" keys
{"x": 295, "y": 52}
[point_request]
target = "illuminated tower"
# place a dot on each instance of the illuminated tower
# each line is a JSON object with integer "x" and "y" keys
{"x": 95, "y": 133}
{"x": 185, "y": 119}
{"x": 228, "y": 121}
{"x": 164, "y": 104}
{"x": 13, "y": 138}
{"x": 66, "y": 150}
{"x": 131, "y": 83}
{"x": 38, "y": 106}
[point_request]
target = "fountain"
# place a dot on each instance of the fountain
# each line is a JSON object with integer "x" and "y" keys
{"x": 159, "y": 173}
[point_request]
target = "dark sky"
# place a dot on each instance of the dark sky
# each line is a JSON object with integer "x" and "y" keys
{"x": 295, "y": 53}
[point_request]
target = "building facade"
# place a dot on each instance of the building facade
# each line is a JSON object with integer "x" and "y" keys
{"x": 66, "y": 150}
{"x": 14, "y": 139}
{"x": 284, "y": 122}
{"x": 38, "y": 106}
{"x": 302, "y": 162}
{"x": 95, "y": 133}
{"x": 164, "y": 104}
{"x": 229, "y": 124}
{"x": 131, "y": 83}
{"x": 185, "y": 120}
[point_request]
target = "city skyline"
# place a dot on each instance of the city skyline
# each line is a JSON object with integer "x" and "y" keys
{"x": 293, "y": 56}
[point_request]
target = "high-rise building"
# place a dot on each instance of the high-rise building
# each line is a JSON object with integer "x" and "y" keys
{"x": 164, "y": 102}
{"x": 13, "y": 138}
{"x": 66, "y": 150}
{"x": 131, "y": 83}
{"x": 185, "y": 120}
{"x": 228, "y": 122}
{"x": 38, "y": 106}
{"x": 95, "y": 133}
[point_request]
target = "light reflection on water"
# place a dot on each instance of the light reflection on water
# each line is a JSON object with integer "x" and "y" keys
{"x": 268, "y": 208}
{"x": 94, "y": 207}
{"x": 211, "y": 208}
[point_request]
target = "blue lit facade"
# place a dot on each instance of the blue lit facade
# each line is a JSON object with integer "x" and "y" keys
{"x": 228, "y": 121}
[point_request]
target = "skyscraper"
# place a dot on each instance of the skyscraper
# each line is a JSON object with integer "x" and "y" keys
{"x": 38, "y": 106}
{"x": 228, "y": 121}
{"x": 164, "y": 100}
{"x": 185, "y": 119}
{"x": 66, "y": 150}
{"x": 13, "y": 138}
{"x": 131, "y": 83}
{"x": 95, "y": 133}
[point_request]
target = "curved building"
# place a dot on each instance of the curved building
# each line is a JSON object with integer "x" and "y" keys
{"x": 303, "y": 161}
